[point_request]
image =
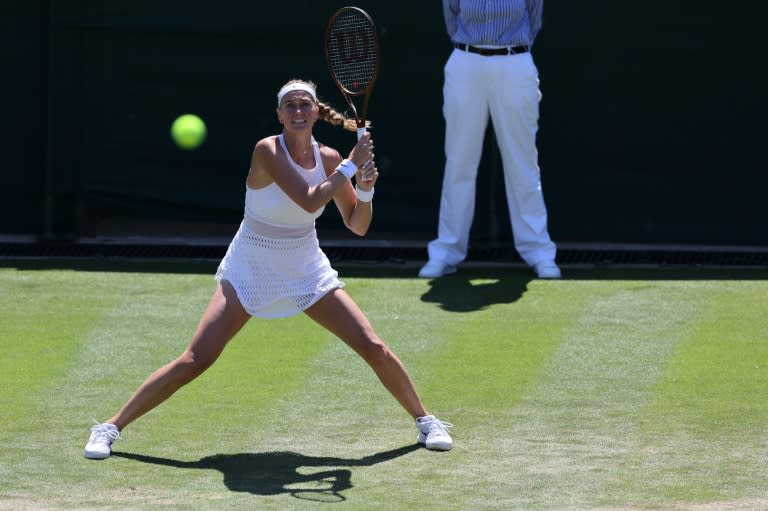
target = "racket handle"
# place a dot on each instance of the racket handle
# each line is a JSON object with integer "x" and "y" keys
{"x": 360, "y": 133}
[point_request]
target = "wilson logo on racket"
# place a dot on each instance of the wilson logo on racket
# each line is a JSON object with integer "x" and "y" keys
{"x": 353, "y": 46}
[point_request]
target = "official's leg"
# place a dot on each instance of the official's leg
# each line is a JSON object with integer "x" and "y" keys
{"x": 515, "y": 116}
{"x": 465, "y": 108}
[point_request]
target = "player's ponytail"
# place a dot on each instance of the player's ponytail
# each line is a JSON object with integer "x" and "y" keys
{"x": 328, "y": 114}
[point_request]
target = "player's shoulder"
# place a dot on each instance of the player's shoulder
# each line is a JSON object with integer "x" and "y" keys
{"x": 267, "y": 142}
{"x": 328, "y": 152}
{"x": 330, "y": 156}
{"x": 265, "y": 149}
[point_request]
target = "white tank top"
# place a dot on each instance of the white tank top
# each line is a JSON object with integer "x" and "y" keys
{"x": 272, "y": 206}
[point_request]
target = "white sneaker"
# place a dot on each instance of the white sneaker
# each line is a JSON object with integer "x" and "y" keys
{"x": 99, "y": 445}
{"x": 435, "y": 269}
{"x": 433, "y": 433}
{"x": 546, "y": 270}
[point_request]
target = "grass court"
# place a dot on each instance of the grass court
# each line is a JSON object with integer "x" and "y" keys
{"x": 612, "y": 389}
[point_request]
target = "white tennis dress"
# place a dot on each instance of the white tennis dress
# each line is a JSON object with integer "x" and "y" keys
{"x": 274, "y": 262}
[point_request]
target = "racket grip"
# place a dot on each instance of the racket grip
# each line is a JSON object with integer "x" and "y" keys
{"x": 360, "y": 133}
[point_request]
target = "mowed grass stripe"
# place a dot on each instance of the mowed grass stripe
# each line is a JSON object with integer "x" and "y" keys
{"x": 704, "y": 436}
{"x": 573, "y": 429}
{"x": 45, "y": 315}
{"x": 487, "y": 358}
{"x": 493, "y": 334}
{"x": 126, "y": 319}
{"x": 720, "y": 368}
{"x": 49, "y": 316}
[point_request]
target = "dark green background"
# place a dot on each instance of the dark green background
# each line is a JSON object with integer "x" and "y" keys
{"x": 652, "y": 126}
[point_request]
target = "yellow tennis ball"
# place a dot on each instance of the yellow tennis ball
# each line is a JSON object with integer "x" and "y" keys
{"x": 188, "y": 131}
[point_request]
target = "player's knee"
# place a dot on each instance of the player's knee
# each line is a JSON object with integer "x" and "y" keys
{"x": 375, "y": 351}
{"x": 191, "y": 365}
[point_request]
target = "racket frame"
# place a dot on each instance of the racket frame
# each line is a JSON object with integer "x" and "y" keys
{"x": 360, "y": 118}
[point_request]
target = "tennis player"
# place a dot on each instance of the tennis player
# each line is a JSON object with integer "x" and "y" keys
{"x": 274, "y": 266}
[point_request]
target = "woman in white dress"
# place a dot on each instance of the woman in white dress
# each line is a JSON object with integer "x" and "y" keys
{"x": 274, "y": 266}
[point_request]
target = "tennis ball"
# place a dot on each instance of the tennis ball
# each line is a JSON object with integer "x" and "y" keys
{"x": 188, "y": 131}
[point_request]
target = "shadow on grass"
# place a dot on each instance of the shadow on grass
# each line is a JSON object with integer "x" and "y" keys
{"x": 275, "y": 473}
{"x": 468, "y": 291}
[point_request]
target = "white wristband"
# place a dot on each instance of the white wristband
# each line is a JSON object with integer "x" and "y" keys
{"x": 363, "y": 195}
{"x": 347, "y": 167}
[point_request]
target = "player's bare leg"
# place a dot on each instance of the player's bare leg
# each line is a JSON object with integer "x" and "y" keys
{"x": 222, "y": 319}
{"x": 337, "y": 312}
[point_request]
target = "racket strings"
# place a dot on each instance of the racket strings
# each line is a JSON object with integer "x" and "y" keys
{"x": 352, "y": 51}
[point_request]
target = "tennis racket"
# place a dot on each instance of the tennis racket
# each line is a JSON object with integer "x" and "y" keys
{"x": 352, "y": 54}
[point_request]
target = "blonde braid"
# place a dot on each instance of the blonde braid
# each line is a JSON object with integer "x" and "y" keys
{"x": 328, "y": 114}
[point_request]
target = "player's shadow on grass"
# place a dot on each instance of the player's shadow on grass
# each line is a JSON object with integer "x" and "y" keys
{"x": 468, "y": 291}
{"x": 274, "y": 473}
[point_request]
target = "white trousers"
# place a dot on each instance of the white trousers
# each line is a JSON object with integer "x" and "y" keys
{"x": 507, "y": 88}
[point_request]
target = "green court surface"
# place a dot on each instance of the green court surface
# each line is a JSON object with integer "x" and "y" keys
{"x": 612, "y": 389}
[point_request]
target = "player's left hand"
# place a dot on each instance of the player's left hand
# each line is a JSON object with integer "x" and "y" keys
{"x": 368, "y": 174}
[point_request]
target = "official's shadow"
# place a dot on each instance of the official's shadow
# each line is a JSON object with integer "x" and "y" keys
{"x": 274, "y": 473}
{"x": 472, "y": 290}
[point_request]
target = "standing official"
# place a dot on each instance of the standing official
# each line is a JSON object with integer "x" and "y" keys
{"x": 491, "y": 71}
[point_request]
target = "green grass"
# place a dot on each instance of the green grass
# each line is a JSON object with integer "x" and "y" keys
{"x": 630, "y": 389}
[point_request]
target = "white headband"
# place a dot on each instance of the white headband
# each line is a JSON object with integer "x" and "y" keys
{"x": 293, "y": 87}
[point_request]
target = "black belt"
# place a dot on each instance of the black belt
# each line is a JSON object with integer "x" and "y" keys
{"x": 491, "y": 51}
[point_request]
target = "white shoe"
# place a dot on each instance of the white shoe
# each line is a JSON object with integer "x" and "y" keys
{"x": 546, "y": 270}
{"x": 435, "y": 269}
{"x": 433, "y": 433}
{"x": 99, "y": 445}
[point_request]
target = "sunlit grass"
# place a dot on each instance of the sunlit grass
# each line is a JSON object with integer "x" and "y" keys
{"x": 630, "y": 389}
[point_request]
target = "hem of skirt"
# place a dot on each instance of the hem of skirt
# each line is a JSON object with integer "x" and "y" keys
{"x": 319, "y": 296}
{"x": 255, "y": 312}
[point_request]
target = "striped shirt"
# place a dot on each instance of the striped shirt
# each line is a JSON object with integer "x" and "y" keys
{"x": 493, "y": 22}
